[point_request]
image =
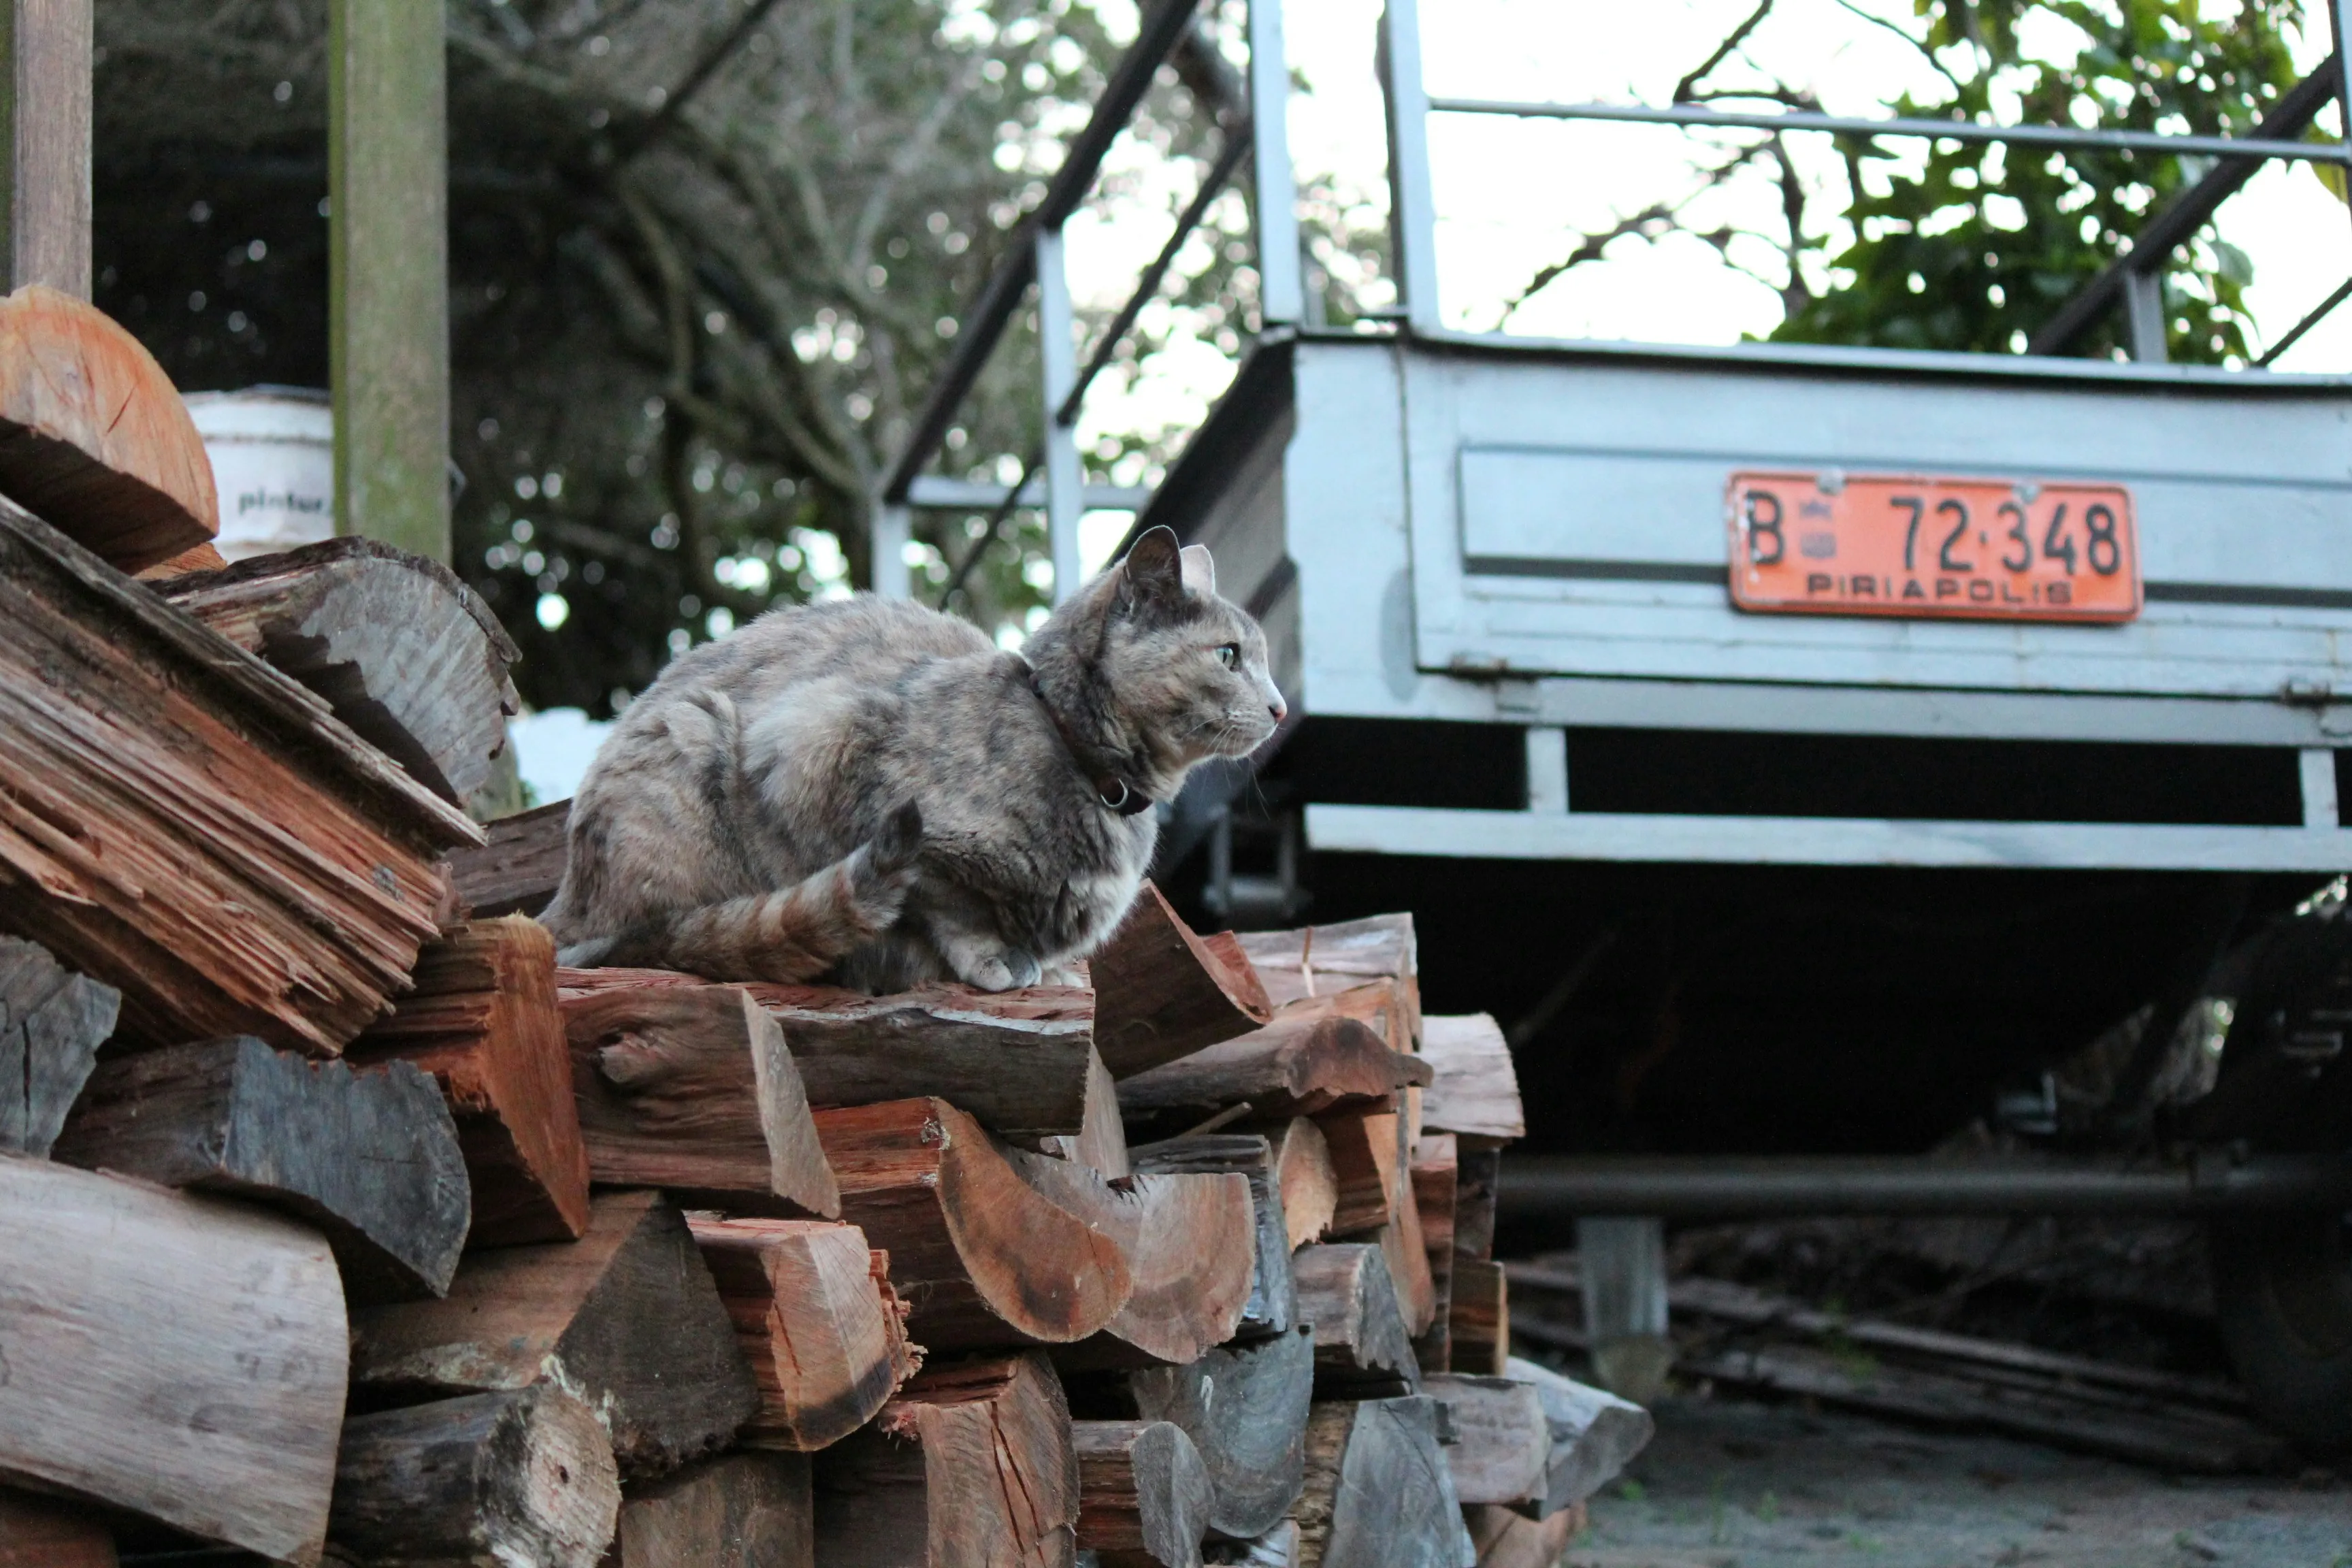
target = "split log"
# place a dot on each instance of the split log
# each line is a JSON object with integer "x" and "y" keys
{"x": 1378, "y": 1491}
{"x": 1501, "y": 1451}
{"x": 982, "y": 1258}
{"x": 1245, "y": 1408}
{"x": 739, "y": 1510}
{"x": 1595, "y": 1434}
{"x": 1361, "y": 1346}
{"x": 1478, "y": 1322}
{"x": 627, "y": 1317}
{"x": 370, "y": 1158}
{"x": 1143, "y": 1494}
{"x": 517, "y": 870}
{"x": 93, "y": 436}
{"x": 1101, "y": 1144}
{"x": 1507, "y": 1540}
{"x": 1375, "y": 1200}
{"x": 1272, "y": 1302}
{"x": 1435, "y": 1170}
{"x": 1163, "y": 993}
{"x": 1320, "y": 960}
{"x": 691, "y": 1088}
{"x": 407, "y": 654}
{"x": 1478, "y": 1178}
{"x": 179, "y": 1356}
{"x": 1476, "y": 1092}
{"x": 144, "y": 753}
{"x": 817, "y": 1319}
{"x": 1277, "y": 1548}
{"x": 1310, "y": 1188}
{"x": 1293, "y": 1067}
{"x": 1016, "y": 1061}
{"x": 203, "y": 557}
{"x": 969, "y": 1466}
{"x": 491, "y": 1481}
{"x": 51, "y": 1023}
{"x": 483, "y": 1022}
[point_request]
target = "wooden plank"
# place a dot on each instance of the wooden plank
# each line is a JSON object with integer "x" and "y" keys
{"x": 627, "y": 1317}
{"x": 1016, "y": 1061}
{"x": 38, "y": 1532}
{"x": 406, "y": 654}
{"x": 739, "y": 1511}
{"x": 388, "y": 271}
{"x": 517, "y": 1476}
{"x": 51, "y": 1023}
{"x": 1273, "y": 1301}
{"x": 1245, "y": 1408}
{"x": 1361, "y": 1346}
{"x": 817, "y": 1319}
{"x": 1501, "y": 1451}
{"x": 49, "y": 158}
{"x": 1296, "y": 1065}
{"x": 192, "y": 1369}
{"x": 516, "y": 871}
{"x": 1143, "y": 1493}
{"x": 483, "y": 1021}
{"x": 1163, "y": 993}
{"x": 370, "y": 1158}
{"x": 1476, "y": 1089}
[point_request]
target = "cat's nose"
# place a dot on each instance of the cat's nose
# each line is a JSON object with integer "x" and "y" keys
{"x": 1278, "y": 708}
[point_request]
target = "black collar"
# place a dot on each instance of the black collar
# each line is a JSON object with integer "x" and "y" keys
{"x": 1114, "y": 790}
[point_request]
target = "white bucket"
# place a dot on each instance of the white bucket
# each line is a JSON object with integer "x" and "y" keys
{"x": 273, "y": 454}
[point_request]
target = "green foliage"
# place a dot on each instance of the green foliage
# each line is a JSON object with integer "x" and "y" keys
{"x": 1979, "y": 248}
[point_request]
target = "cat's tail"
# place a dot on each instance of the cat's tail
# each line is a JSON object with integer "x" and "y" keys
{"x": 791, "y": 935}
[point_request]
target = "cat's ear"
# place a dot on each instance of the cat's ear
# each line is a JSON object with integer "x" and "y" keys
{"x": 1154, "y": 568}
{"x": 1200, "y": 570}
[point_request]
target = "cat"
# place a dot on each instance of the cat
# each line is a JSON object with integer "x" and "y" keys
{"x": 871, "y": 793}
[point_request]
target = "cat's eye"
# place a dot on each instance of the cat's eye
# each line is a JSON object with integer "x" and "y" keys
{"x": 1229, "y": 654}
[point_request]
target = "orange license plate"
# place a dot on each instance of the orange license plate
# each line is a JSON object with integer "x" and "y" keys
{"x": 1984, "y": 549}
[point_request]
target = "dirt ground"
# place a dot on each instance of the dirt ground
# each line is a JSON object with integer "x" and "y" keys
{"x": 1732, "y": 1483}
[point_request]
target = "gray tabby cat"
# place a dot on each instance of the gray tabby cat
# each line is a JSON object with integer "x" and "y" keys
{"x": 870, "y": 792}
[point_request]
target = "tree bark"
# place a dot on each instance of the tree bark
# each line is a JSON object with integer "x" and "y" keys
{"x": 1143, "y": 1494}
{"x": 1294, "y": 1067}
{"x": 982, "y": 1258}
{"x": 1377, "y": 1491}
{"x": 370, "y": 1158}
{"x": 51, "y": 1025}
{"x": 517, "y": 871}
{"x": 1273, "y": 1301}
{"x": 1361, "y": 1347}
{"x": 1478, "y": 1322}
{"x": 93, "y": 436}
{"x": 490, "y": 1480}
{"x": 190, "y": 1368}
{"x": 483, "y": 1022}
{"x": 1245, "y": 1408}
{"x": 691, "y": 1088}
{"x": 405, "y": 654}
{"x": 817, "y": 1320}
{"x": 1501, "y": 1451}
{"x": 627, "y": 1317}
{"x": 739, "y": 1510}
{"x": 1163, "y": 993}
{"x": 969, "y": 1466}
{"x": 1310, "y": 1188}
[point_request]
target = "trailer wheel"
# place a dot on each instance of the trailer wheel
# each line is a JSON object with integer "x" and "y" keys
{"x": 2283, "y": 1285}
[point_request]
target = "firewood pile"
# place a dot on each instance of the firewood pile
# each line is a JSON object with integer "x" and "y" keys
{"x": 336, "y": 1219}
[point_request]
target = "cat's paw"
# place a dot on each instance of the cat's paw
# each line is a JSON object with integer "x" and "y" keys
{"x": 1005, "y": 969}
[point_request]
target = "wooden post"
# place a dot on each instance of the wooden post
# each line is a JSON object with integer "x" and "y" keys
{"x": 388, "y": 270}
{"x": 47, "y": 123}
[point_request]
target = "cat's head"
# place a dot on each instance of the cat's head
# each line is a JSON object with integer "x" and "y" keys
{"x": 1181, "y": 665}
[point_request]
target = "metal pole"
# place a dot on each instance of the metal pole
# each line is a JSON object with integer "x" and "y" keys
{"x": 891, "y": 528}
{"x": 2144, "y": 313}
{"x": 47, "y": 122}
{"x": 1413, "y": 213}
{"x": 2339, "y": 17}
{"x": 1057, "y": 357}
{"x": 1282, "y": 297}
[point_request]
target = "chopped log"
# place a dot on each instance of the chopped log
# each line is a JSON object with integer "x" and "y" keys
{"x": 407, "y": 654}
{"x": 1478, "y": 1322}
{"x": 1310, "y": 1188}
{"x": 691, "y": 1088}
{"x": 739, "y": 1511}
{"x": 93, "y": 436}
{"x": 1245, "y": 1408}
{"x": 203, "y": 557}
{"x": 145, "y": 753}
{"x": 1507, "y": 1540}
{"x": 370, "y": 1158}
{"x": 969, "y": 1466}
{"x": 179, "y": 1356}
{"x": 1475, "y": 1092}
{"x": 483, "y": 1022}
{"x": 1435, "y": 1172}
{"x": 1364, "y": 1160}
{"x": 517, "y": 870}
{"x": 1163, "y": 993}
{"x": 1277, "y": 1548}
{"x": 1377, "y": 1491}
{"x": 982, "y": 1258}
{"x": 1143, "y": 1493}
{"x": 51, "y": 1023}
{"x": 817, "y": 1320}
{"x": 1191, "y": 1251}
{"x": 1101, "y": 1144}
{"x": 626, "y": 1318}
{"x": 1303, "y": 962}
{"x": 490, "y": 1479}
{"x": 1273, "y": 1301}
{"x": 1016, "y": 1061}
{"x": 1478, "y": 1178}
{"x": 1595, "y": 1434}
{"x": 1501, "y": 1451}
{"x": 42, "y": 1532}
{"x": 1293, "y": 1067}
{"x": 1361, "y": 1347}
